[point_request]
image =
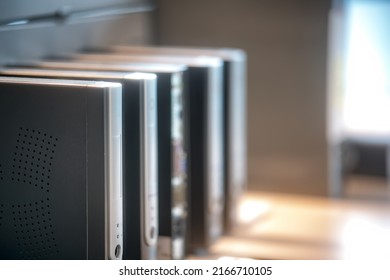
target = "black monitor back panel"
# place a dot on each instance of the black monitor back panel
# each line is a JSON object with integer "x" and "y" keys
{"x": 172, "y": 144}
{"x": 204, "y": 101}
{"x": 53, "y": 170}
{"x": 234, "y": 91}
{"x": 205, "y": 157}
{"x": 139, "y": 138}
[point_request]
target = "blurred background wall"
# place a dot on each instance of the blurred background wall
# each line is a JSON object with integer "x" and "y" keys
{"x": 286, "y": 43}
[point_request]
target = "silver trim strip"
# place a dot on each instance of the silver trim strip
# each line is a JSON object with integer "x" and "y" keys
{"x": 195, "y": 61}
{"x": 59, "y": 82}
{"x": 80, "y": 65}
{"x": 214, "y": 153}
{"x": 114, "y": 176}
{"x": 229, "y": 54}
{"x": 73, "y": 74}
{"x": 149, "y": 178}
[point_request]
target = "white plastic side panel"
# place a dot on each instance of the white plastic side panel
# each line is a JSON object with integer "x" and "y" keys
{"x": 215, "y": 153}
{"x": 114, "y": 208}
{"x": 237, "y": 178}
{"x": 149, "y": 225}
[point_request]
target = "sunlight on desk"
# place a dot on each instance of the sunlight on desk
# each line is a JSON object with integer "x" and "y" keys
{"x": 279, "y": 226}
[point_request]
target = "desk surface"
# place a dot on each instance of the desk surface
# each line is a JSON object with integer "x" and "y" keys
{"x": 279, "y": 226}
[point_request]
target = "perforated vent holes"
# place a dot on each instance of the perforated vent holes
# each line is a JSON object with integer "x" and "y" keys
{"x": 1, "y": 173}
{"x": 33, "y": 157}
{"x": 33, "y": 228}
{"x": 32, "y": 166}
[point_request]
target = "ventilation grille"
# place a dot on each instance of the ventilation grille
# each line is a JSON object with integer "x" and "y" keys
{"x": 1, "y": 214}
{"x": 32, "y": 222}
{"x": 1, "y": 173}
{"x": 33, "y": 228}
{"x": 33, "y": 156}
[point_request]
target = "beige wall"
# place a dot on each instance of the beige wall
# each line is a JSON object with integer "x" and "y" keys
{"x": 286, "y": 42}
